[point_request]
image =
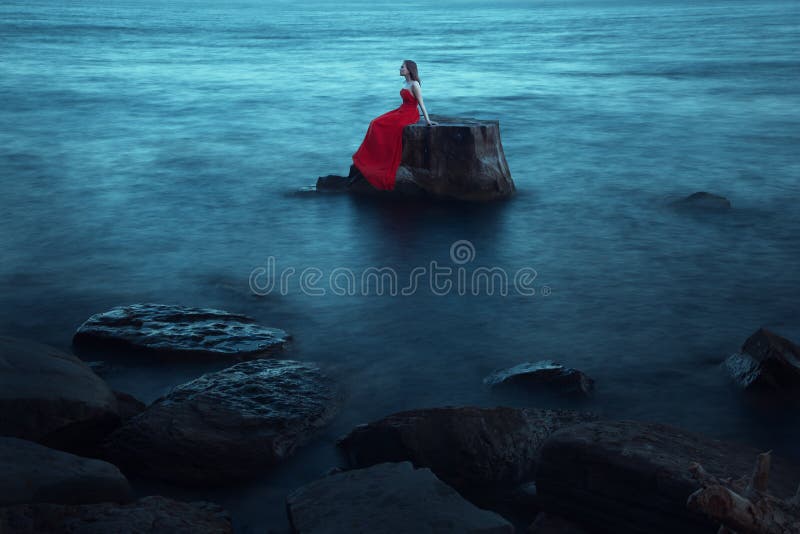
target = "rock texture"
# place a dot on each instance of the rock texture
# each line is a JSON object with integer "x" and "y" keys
{"x": 147, "y": 515}
{"x": 387, "y": 498}
{"x": 461, "y": 158}
{"x": 544, "y": 373}
{"x": 550, "y": 524}
{"x": 768, "y": 361}
{"x": 632, "y": 477}
{"x": 31, "y": 473}
{"x": 226, "y": 425}
{"x": 51, "y": 397}
{"x": 180, "y": 332}
{"x": 466, "y": 447}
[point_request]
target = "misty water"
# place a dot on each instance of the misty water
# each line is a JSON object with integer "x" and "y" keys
{"x": 158, "y": 153}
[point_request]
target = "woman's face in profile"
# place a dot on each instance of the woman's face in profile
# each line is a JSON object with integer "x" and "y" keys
{"x": 403, "y": 69}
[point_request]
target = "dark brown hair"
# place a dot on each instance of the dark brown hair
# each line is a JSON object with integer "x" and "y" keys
{"x": 412, "y": 69}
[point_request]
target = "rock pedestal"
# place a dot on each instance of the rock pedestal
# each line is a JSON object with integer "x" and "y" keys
{"x": 460, "y": 158}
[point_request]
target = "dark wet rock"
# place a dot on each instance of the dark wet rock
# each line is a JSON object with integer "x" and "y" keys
{"x": 129, "y": 406}
{"x": 550, "y": 524}
{"x": 52, "y": 397}
{"x": 705, "y": 201}
{"x": 30, "y": 473}
{"x": 466, "y": 447}
{"x": 180, "y": 332}
{"x": 632, "y": 477}
{"x": 387, "y": 498}
{"x": 147, "y": 515}
{"x": 333, "y": 183}
{"x": 227, "y": 425}
{"x": 544, "y": 373}
{"x": 768, "y": 361}
{"x": 460, "y": 158}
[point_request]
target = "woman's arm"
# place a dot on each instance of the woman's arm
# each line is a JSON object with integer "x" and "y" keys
{"x": 415, "y": 88}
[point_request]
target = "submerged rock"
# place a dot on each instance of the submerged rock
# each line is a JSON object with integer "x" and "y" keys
{"x": 466, "y": 447}
{"x": 546, "y": 373}
{"x": 768, "y": 362}
{"x": 52, "y": 397}
{"x": 461, "y": 158}
{"x": 390, "y": 497}
{"x": 704, "y": 200}
{"x": 228, "y": 425}
{"x": 180, "y": 331}
{"x": 632, "y": 477}
{"x": 31, "y": 473}
{"x": 148, "y": 515}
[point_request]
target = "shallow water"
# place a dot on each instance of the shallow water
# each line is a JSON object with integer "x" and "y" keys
{"x": 153, "y": 153}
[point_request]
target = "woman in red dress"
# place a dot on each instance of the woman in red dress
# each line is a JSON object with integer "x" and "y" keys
{"x": 378, "y": 157}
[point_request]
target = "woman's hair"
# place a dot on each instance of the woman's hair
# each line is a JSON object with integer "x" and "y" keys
{"x": 412, "y": 69}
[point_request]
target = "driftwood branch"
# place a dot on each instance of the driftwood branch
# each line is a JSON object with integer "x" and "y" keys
{"x": 751, "y": 511}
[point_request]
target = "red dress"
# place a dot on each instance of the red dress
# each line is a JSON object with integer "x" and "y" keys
{"x": 378, "y": 157}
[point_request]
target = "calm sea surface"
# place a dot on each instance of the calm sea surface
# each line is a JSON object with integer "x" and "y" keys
{"x": 156, "y": 153}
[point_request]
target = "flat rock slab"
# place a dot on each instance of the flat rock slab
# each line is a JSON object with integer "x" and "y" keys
{"x": 148, "y": 515}
{"x": 51, "y": 397}
{"x": 768, "y": 361}
{"x": 174, "y": 331}
{"x": 543, "y": 373}
{"x": 466, "y": 447}
{"x": 31, "y": 473}
{"x": 228, "y": 425}
{"x": 391, "y": 498}
{"x": 632, "y": 477}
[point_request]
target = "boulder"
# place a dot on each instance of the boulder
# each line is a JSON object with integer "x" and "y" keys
{"x": 227, "y": 425}
{"x": 544, "y": 373}
{"x": 180, "y": 332}
{"x": 549, "y": 524}
{"x": 52, "y": 397}
{"x": 704, "y": 201}
{"x": 129, "y": 406}
{"x": 768, "y": 362}
{"x": 387, "y": 498}
{"x": 461, "y": 159}
{"x": 31, "y": 473}
{"x": 147, "y": 515}
{"x": 466, "y": 447}
{"x": 632, "y": 477}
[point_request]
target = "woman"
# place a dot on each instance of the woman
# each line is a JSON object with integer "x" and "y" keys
{"x": 378, "y": 157}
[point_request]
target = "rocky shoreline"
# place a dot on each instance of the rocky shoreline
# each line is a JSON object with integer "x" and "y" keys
{"x": 69, "y": 442}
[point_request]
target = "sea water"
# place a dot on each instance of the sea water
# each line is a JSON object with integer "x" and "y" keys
{"x": 158, "y": 152}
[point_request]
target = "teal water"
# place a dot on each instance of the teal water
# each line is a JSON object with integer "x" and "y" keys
{"x": 155, "y": 153}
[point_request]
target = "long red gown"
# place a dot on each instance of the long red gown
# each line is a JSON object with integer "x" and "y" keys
{"x": 378, "y": 157}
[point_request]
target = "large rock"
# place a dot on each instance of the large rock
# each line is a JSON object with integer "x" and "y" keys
{"x": 466, "y": 447}
{"x": 391, "y": 498}
{"x": 460, "y": 158}
{"x": 178, "y": 332}
{"x": 768, "y": 361}
{"x": 631, "y": 477}
{"x": 148, "y": 515}
{"x": 549, "y": 524}
{"x": 30, "y": 473}
{"x": 543, "y": 373}
{"x": 226, "y": 425}
{"x": 52, "y": 397}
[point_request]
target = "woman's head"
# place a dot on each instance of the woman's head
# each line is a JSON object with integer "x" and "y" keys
{"x": 409, "y": 69}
